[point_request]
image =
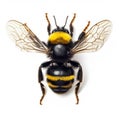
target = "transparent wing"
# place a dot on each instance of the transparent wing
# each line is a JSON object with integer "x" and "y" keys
{"x": 25, "y": 38}
{"x": 94, "y": 39}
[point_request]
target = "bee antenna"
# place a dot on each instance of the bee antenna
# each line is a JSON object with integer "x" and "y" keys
{"x": 55, "y": 21}
{"x": 65, "y": 21}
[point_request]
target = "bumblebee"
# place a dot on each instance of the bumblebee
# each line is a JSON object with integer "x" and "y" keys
{"x": 60, "y": 48}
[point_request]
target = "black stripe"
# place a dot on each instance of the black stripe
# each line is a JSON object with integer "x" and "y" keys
{"x": 60, "y": 90}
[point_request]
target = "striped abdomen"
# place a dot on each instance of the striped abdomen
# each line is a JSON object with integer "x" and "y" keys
{"x": 60, "y": 78}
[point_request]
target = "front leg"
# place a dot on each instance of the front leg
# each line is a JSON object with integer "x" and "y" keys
{"x": 40, "y": 78}
{"x": 49, "y": 25}
{"x": 71, "y": 26}
{"x": 82, "y": 34}
{"x": 79, "y": 77}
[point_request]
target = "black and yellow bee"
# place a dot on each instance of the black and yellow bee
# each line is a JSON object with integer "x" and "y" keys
{"x": 60, "y": 48}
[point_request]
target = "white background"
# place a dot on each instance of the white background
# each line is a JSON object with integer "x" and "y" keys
{"x": 19, "y": 89}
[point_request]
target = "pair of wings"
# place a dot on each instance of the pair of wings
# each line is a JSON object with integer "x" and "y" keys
{"x": 28, "y": 41}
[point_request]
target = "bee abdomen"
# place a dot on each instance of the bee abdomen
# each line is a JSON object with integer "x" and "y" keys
{"x": 60, "y": 85}
{"x": 60, "y": 79}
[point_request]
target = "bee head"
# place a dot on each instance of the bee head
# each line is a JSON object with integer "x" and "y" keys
{"x": 60, "y": 29}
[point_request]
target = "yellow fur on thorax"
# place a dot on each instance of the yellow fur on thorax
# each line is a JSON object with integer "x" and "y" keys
{"x": 59, "y": 37}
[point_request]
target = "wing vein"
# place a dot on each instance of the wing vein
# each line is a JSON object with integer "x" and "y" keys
{"x": 25, "y": 38}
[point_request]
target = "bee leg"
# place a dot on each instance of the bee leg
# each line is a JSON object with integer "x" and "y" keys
{"x": 79, "y": 77}
{"x": 40, "y": 78}
{"x": 82, "y": 35}
{"x": 80, "y": 38}
{"x": 71, "y": 26}
{"x": 49, "y": 25}
{"x": 86, "y": 26}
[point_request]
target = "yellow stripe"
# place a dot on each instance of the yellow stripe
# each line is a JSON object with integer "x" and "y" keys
{"x": 52, "y": 86}
{"x": 60, "y": 37}
{"x": 67, "y": 86}
{"x": 55, "y": 86}
{"x": 63, "y": 78}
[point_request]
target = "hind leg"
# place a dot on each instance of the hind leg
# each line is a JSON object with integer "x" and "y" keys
{"x": 40, "y": 78}
{"x": 79, "y": 77}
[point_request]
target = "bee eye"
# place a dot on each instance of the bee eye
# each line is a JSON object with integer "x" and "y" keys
{"x": 54, "y": 30}
{"x": 66, "y": 31}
